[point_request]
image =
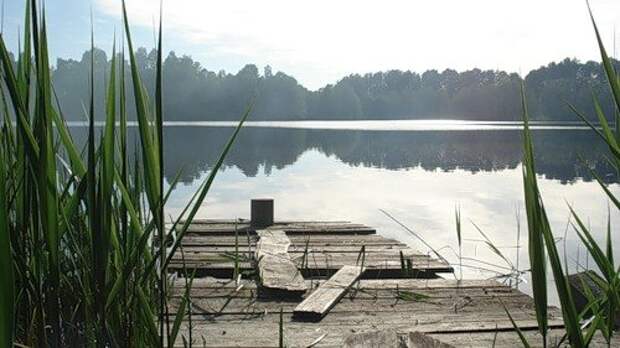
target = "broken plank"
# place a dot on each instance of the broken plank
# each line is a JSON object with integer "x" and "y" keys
{"x": 315, "y": 306}
{"x": 278, "y": 273}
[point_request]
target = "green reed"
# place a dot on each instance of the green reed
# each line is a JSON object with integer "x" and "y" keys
{"x": 83, "y": 262}
{"x": 599, "y": 315}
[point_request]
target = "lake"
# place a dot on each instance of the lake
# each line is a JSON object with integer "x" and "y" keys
{"x": 417, "y": 171}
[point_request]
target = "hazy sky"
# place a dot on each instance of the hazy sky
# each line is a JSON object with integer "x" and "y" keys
{"x": 320, "y": 41}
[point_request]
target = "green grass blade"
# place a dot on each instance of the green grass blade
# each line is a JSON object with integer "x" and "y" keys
{"x": 7, "y": 290}
{"x": 593, "y": 248}
{"x": 609, "y": 69}
{"x": 492, "y": 246}
{"x": 159, "y": 219}
{"x": 609, "y": 243}
{"x": 149, "y": 150}
{"x": 47, "y": 179}
{"x": 18, "y": 102}
{"x": 77, "y": 164}
{"x": 524, "y": 341}
{"x": 541, "y": 239}
{"x": 534, "y": 219}
{"x": 25, "y": 64}
{"x": 143, "y": 236}
{"x": 185, "y": 302}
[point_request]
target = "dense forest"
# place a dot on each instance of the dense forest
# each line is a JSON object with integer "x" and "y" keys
{"x": 193, "y": 93}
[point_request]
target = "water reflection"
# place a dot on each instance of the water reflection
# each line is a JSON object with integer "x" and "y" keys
{"x": 558, "y": 151}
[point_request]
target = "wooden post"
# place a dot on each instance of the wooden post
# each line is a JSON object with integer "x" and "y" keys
{"x": 261, "y": 212}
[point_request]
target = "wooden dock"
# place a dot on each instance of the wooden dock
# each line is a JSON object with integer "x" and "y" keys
{"x": 399, "y": 294}
{"x": 320, "y": 249}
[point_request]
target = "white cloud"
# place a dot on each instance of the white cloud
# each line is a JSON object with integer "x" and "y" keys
{"x": 320, "y": 41}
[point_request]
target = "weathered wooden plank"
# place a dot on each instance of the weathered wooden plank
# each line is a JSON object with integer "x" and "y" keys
{"x": 437, "y": 321}
{"x": 301, "y": 248}
{"x": 372, "y": 339}
{"x": 510, "y": 338}
{"x": 315, "y": 306}
{"x": 374, "y": 289}
{"x": 322, "y": 260}
{"x": 387, "y": 297}
{"x": 189, "y": 241}
{"x": 374, "y": 269}
{"x": 421, "y": 340}
{"x": 305, "y": 231}
{"x": 242, "y": 333}
{"x": 390, "y": 338}
{"x": 328, "y": 239}
{"x": 290, "y": 228}
{"x": 422, "y": 302}
{"x": 232, "y": 221}
{"x": 329, "y": 264}
{"x": 277, "y": 271}
{"x": 334, "y": 337}
{"x": 328, "y": 252}
{"x": 371, "y": 284}
{"x": 388, "y": 305}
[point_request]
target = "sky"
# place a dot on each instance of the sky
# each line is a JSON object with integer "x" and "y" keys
{"x": 320, "y": 41}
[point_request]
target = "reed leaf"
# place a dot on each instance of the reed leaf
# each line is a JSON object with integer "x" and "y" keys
{"x": 524, "y": 340}
{"x": 7, "y": 290}
{"x": 541, "y": 240}
{"x": 536, "y": 248}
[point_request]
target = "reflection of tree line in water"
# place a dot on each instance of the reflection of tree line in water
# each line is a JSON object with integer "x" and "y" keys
{"x": 191, "y": 149}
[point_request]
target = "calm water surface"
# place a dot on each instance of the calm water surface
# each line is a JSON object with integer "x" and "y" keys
{"x": 417, "y": 171}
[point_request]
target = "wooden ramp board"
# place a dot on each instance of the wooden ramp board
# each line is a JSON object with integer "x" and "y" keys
{"x": 316, "y": 306}
{"x": 277, "y": 272}
{"x": 438, "y": 307}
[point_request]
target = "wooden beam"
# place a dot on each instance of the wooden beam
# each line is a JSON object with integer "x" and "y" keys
{"x": 278, "y": 274}
{"x": 316, "y": 306}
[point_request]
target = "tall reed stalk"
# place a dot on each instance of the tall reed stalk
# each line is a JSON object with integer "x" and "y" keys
{"x": 600, "y": 313}
{"x": 82, "y": 261}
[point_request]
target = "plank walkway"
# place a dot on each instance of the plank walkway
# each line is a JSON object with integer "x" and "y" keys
{"x": 229, "y": 312}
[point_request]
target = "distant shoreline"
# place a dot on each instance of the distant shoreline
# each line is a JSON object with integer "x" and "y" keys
{"x": 376, "y": 125}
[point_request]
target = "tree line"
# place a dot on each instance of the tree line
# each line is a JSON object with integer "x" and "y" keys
{"x": 193, "y": 93}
